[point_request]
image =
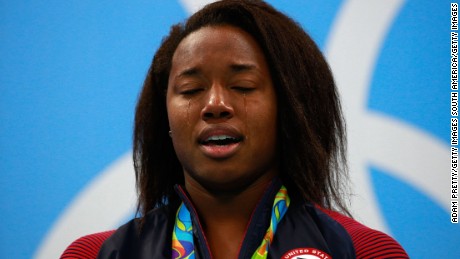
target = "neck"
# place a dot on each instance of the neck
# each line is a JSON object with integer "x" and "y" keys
{"x": 225, "y": 215}
{"x": 212, "y": 206}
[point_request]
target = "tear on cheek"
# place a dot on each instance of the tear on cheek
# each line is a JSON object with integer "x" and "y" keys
{"x": 188, "y": 111}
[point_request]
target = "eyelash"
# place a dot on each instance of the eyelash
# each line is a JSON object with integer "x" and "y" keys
{"x": 237, "y": 88}
{"x": 243, "y": 89}
{"x": 191, "y": 91}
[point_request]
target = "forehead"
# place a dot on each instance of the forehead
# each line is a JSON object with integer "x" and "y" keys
{"x": 221, "y": 43}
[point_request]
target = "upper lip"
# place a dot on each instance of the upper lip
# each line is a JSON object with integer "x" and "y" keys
{"x": 219, "y": 130}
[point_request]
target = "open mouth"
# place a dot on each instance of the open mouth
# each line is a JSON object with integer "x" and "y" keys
{"x": 220, "y": 140}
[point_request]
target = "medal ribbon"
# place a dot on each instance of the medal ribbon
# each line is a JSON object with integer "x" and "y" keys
{"x": 182, "y": 238}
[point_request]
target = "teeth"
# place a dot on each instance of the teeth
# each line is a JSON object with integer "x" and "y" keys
{"x": 217, "y": 138}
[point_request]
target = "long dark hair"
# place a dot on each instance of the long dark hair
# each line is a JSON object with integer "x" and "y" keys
{"x": 311, "y": 131}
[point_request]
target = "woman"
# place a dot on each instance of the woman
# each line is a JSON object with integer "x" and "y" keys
{"x": 239, "y": 147}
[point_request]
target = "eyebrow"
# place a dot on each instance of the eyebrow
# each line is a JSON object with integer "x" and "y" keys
{"x": 234, "y": 68}
{"x": 189, "y": 72}
{"x": 242, "y": 67}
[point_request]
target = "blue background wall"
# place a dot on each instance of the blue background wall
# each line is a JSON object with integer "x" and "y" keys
{"x": 70, "y": 73}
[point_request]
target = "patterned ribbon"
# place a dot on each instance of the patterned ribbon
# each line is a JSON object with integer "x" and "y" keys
{"x": 280, "y": 206}
{"x": 182, "y": 240}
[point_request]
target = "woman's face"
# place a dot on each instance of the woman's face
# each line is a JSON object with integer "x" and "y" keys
{"x": 222, "y": 109}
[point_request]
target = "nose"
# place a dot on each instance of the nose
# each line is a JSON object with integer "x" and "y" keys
{"x": 217, "y": 105}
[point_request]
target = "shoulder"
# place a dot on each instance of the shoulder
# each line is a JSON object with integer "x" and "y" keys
{"x": 87, "y": 246}
{"x": 121, "y": 242}
{"x": 368, "y": 243}
{"x": 148, "y": 240}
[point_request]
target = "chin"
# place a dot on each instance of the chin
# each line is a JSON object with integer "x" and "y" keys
{"x": 226, "y": 181}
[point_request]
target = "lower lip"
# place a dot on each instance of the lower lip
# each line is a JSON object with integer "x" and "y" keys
{"x": 220, "y": 152}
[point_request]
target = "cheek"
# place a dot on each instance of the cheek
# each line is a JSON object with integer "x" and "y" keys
{"x": 269, "y": 110}
{"x": 178, "y": 113}
{"x": 268, "y": 129}
{"x": 264, "y": 122}
{"x": 182, "y": 116}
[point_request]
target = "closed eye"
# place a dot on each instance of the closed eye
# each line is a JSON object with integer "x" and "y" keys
{"x": 243, "y": 89}
{"x": 191, "y": 91}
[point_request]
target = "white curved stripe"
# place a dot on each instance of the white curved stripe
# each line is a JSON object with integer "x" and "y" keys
{"x": 354, "y": 44}
{"x": 352, "y": 49}
{"x": 415, "y": 156}
{"x": 194, "y": 5}
{"x": 102, "y": 205}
